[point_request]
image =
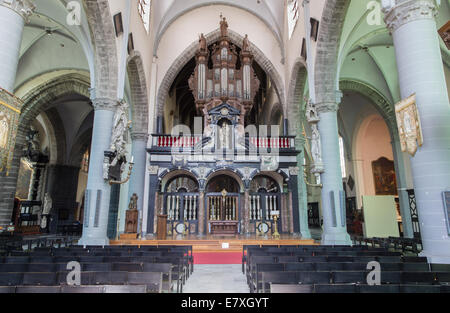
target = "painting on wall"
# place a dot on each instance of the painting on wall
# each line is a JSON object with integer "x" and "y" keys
{"x": 384, "y": 177}
{"x": 24, "y": 180}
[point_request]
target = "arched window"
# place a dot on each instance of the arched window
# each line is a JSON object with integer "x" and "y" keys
{"x": 292, "y": 13}
{"x": 342, "y": 154}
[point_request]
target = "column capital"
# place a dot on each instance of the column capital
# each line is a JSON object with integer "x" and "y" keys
{"x": 327, "y": 107}
{"x": 22, "y": 7}
{"x": 398, "y": 13}
{"x": 140, "y": 136}
{"x": 331, "y": 102}
{"x": 105, "y": 104}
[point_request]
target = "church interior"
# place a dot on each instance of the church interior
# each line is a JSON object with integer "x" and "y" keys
{"x": 298, "y": 146}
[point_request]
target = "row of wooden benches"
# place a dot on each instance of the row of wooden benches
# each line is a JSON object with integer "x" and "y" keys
{"x": 265, "y": 266}
{"x": 352, "y": 288}
{"x": 174, "y": 262}
{"x": 325, "y": 254}
{"x": 413, "y": 245}
{"x": 264, "y": 279}
{"x": 152, "y": 280}
{"x": 74, "y": 289}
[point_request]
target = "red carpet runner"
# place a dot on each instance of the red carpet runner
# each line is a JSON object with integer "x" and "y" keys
{"x": 217, "y": 257}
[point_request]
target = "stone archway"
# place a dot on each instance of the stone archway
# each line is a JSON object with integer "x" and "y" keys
{"x": 327, "y": 52}
{"x": 36, "y": 101}
{"x": 100, "y": 21}
{"x": 382, "y": 103}
{"x": 212, "y": 37}
{"x": 293, "y": 110}
{"x": 294, "y": 113}
{"x": 386, "y": 110}
{"x": 138, "y": 85}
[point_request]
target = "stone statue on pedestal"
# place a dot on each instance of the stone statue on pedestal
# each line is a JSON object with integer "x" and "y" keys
{"x": 132, "y": 216}
{"x": 316, "y": 144}
{"x": 133, "y": 202}
{"x": 246, "y": 44}
{"x": 224, "y": 27}
{"x": 202, "y": 43}
{"x": 46, "y": 208}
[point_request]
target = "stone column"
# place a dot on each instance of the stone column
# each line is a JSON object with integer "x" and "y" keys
{"x": 246, "y": 226}
{"x": 333, "y": 197}
{"x": 299, "y": 202}
{"x": 301, "y": 191}
{"x": 420, "y": 71}
{"x": 402, "y": 187}
{"x": 98, "y": 190}
{"x": 201, "y": 213}
{"x": 153, "y": 211}
{"x": 137, "y": 178}
{"x": 13, "y": 15}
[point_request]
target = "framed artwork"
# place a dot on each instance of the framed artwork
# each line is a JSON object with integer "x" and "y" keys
{"x": 408, "y": 122}
{"x": 444, "y": 32}
{"x": 384, "y": 177}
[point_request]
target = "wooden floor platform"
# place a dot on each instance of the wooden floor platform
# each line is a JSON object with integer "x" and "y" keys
{"x": 215, "y": 243}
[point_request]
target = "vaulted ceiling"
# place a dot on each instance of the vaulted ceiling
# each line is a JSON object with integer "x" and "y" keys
{"x": 271, "y": 12}
{"x": 367, "y": 52}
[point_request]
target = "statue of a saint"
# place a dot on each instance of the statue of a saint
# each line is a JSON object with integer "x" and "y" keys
{"x": 46, "y": 208}
{"x": 209, "y": 132}
{"x": 133, "y": 202}
{"x": 224, "y": 27}
{"x": 120, "y": 126}
{"x": 246, "y": 44}
{"x": 311, "y": 111}
{"x": 119, "y": 132}
{"x": 4, "y": 129}
{"x": 48, "y": 203}
{"x": 202, "y": 43}
{"x": 315, "y": 145}
{"x": 225, "y": 136}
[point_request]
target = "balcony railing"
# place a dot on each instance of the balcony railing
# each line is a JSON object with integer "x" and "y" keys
{"x": 168, "y": 141}
{"x": 274, "y": 143}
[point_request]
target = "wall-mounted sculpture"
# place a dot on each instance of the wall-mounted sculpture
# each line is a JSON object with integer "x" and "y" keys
{"x": 115, "y": 158}
{"x": 316, "y": 146}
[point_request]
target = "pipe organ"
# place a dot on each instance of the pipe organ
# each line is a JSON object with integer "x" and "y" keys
{"x": 224, "y": 73}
